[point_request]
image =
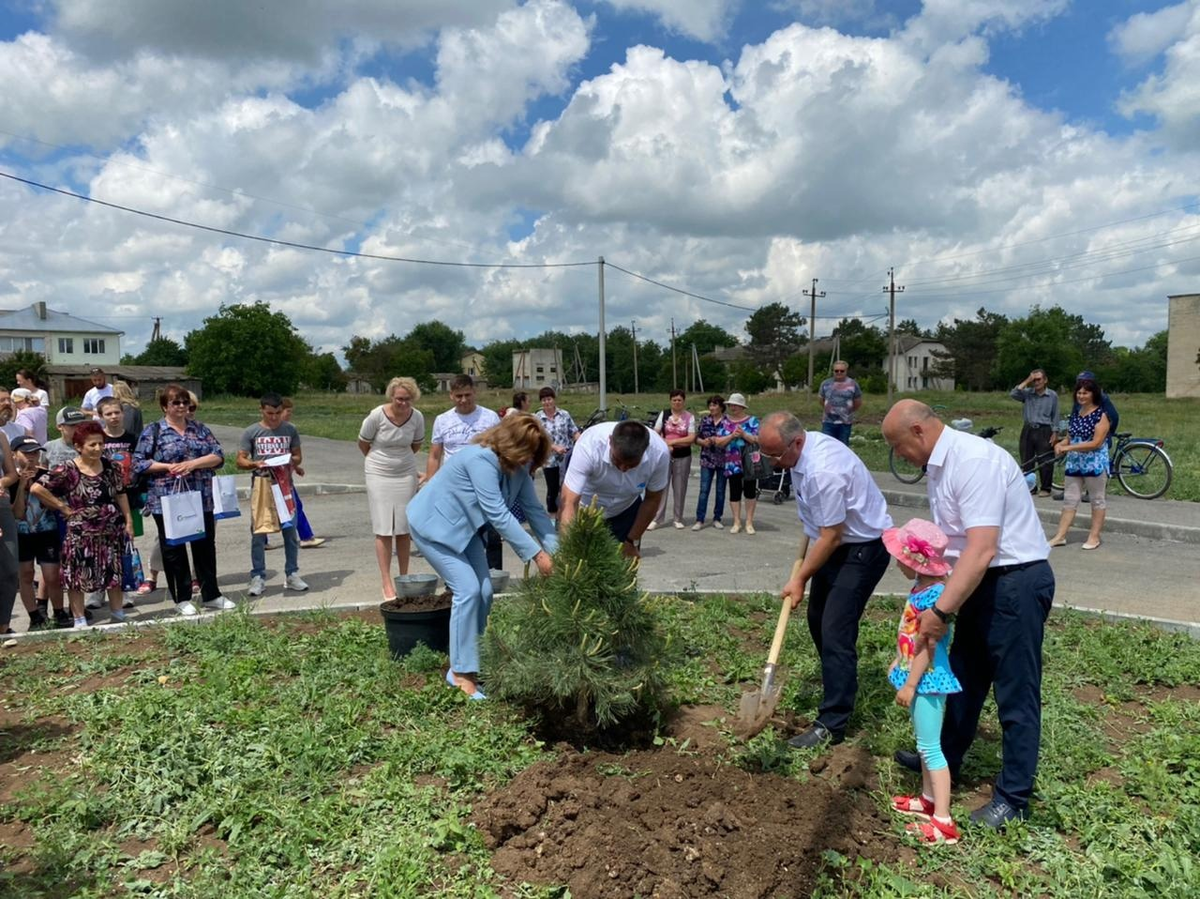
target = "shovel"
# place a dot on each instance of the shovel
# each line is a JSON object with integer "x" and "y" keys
{"x": 757, "y": 706}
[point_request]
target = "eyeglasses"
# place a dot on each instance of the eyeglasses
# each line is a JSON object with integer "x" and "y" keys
{"x": 179, "y": 403}
{"x": 839, "y": 371}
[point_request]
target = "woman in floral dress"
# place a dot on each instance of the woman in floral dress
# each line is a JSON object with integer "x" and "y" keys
{"x": 89, "y": 493}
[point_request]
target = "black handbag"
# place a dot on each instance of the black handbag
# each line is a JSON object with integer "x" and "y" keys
{"x": 755, "y": 465}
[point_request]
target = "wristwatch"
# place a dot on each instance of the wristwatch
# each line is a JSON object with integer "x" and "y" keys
{"x": 946, "y": 617}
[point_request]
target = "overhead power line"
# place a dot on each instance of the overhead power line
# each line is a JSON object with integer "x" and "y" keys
{"x": 290, "y": 243}
{"x": 686, "y": 293}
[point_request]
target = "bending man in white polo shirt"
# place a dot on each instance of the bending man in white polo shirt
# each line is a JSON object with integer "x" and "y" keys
{"x": 1001, "y": 590}
{"x": 843, "y": 512}
{"x": 618, "y": 462}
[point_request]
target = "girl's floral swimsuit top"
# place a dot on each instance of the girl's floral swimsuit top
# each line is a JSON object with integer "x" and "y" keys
{"x": 938, "y": 678}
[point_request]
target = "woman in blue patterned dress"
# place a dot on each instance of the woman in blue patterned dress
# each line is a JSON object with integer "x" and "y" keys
{"x": 563, "y": 433}
{"x": 1086, "y": 446}
{"x": 712, "y": 462}
{"x": 738, "y": 429}
{"x": 180, "y": 453}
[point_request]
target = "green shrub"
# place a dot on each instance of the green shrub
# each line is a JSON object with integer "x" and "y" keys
{"x": 583, "y": 643}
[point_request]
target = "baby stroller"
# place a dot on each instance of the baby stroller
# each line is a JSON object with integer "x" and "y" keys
{"x": 779, "y": 485}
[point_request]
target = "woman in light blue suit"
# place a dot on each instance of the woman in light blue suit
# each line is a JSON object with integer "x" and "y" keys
{"x": 476, "y": 486}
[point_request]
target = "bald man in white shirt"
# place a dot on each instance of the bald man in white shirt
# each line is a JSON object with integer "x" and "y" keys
{"x": 1000, "y": 590}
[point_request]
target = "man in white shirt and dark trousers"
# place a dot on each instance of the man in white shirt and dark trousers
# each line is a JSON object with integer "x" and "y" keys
{"x": 844, "y": 514}
{"x": 625, "y": 466}
{"x": 1000, "y": 590}
{"x": 454, "y": 429}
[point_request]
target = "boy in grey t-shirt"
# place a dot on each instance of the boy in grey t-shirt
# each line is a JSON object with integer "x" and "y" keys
{"x": 271, "y": 436}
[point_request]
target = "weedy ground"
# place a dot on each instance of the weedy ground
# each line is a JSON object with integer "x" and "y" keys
{"x": 293, "y": 758}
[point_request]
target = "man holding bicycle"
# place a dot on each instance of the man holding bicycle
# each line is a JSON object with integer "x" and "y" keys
{"x": 1039, "y": 416}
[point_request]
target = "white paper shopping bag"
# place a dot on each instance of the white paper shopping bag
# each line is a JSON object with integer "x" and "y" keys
{"x": 285, "y": 506}
{"x": 225, "y": 501}
{"x": 183, "y": 517}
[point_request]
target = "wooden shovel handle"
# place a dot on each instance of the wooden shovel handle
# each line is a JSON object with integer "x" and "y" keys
{"x": 786, "y": 611}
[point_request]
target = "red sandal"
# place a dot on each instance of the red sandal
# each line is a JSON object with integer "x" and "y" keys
{"x": 933, "y": 831}
{"x": 913, "y": 805}
{"x": 147, "y": 587}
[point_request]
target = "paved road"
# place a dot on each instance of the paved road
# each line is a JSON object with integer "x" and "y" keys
{"x": 1132, "y": 574}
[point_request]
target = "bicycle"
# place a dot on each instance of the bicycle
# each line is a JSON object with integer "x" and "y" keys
{"x": 623, "y": 413}
{"x": 1140, "y": 465}
{"x": 907, "y": 473}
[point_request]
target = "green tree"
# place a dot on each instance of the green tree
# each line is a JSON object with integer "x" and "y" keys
{"x": 746, "y": 377}
{"x": 162, "y": 351}
{"x": 446, "y": 344}
{"x": 970, "y": 356}
{"x": 584, "y": 643}
{"x": 381, "y": 360}
{"x": 11, "y": 364}
{"x": 910, "y": 326}
{"x": 775, "y": 333}
{"x": 862, "y": 346}
{"x": 246, "y": 350}
{"x": 497, "y": 362}
{"x": 322, "y": 372}
{"x": 1142, "y": 370}
{"x": 1061, "y": 343}
{"x": 707, "y": 337}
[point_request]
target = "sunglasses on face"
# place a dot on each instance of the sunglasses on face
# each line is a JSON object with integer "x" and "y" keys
{"x": 179, "y": 403}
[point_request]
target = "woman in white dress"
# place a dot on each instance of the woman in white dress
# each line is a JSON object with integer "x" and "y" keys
{"x": 389, "y": 438}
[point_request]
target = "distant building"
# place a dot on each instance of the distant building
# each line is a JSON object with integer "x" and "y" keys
{"x": 473, "y": 365}
{"x": 61, "y": 338}
{"x": 1183, "y": 345}
{"x": 68, "y": 382}
{"x": 356, "y": 383}
{"x": 537, "y": 368}
{"x": 914, "y": 364}
{"x": 442, "y": 380}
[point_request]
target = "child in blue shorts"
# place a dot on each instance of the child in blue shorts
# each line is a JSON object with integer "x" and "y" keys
{"x": 923, "y": 678}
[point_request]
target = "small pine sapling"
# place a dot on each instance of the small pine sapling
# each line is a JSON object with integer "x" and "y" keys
{"x": 583, "y": 643}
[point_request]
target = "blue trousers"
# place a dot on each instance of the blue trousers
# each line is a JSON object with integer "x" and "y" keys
{"x": 469, "y": 582}
{"x": 998, "y": 646}
{"x": 258, "y": 555}
{"x": 707, "y": 476}
{"x": 837, "y": 430}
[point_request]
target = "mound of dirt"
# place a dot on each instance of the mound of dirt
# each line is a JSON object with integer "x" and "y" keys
{"x": 432, "y": 603}
{"x": 669, "y": 825}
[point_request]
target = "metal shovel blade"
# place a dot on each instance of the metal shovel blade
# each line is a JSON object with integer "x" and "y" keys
{"x": 757, "y": 706}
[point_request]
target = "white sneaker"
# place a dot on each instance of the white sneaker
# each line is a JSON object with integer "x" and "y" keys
{"x": 118, "y": 615}
{"x": 679, "y": 525}
{"x": 651, "y": 526}
{"x": 293, "y": 582}
{"x": 717, "y": 524}
{"x": 221, "y": 604}
{"x": 737, "y": 527}
{"x": 698, "y": 526}
{"x": 257, "y": 585}
{"x": 750, "y": 528}
{"x": 186, "y": 609}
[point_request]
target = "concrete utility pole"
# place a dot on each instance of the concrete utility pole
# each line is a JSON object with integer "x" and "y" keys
{"x": 674, "y": 371}
{"x": 603, "y": 367}
{"x": 633, "y": 331}
{"x": 812, "y": 329}
{"x": 891, "y": 288}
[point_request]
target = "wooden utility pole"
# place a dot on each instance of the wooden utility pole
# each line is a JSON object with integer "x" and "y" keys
{"x": 674, "y": 369}
{"x": 603, "y": 361}
{"x": 812, "y": 329}
{"x": 633, "y": 331}
{"x": 890, "y": 288}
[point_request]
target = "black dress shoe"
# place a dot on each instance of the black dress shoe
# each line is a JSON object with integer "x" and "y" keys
{"x": 815, "y": 736}
{"x": 998, "y": 813}
{"x": 908, "y": 758}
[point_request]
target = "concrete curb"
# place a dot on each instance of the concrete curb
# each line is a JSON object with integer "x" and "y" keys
{"x": 1191, "y": 628}
{"x": 1153, "y": 530}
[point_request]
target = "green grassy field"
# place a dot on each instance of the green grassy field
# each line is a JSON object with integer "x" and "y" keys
{"x": 339, "y": 416}
{"x": 295, "y": 759}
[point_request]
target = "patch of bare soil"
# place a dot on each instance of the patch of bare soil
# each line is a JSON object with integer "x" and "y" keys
{"x": 431, "y": 603}
{"x": 669, "y": 825}
{"x": 699, "y": 726}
